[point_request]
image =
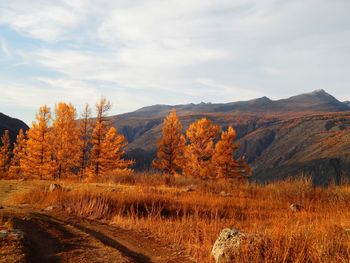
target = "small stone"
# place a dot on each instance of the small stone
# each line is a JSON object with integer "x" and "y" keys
{"x": 51, "y": 208}
{"x": 346, "y": 230}
{"x": 54, "y": 187}
{"x": 190, "y": 188}
{"x": 295, "y": 208}
{"x": 12, "y": 233}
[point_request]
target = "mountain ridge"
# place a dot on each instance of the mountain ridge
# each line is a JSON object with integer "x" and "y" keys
{"x": 317, "y": 100}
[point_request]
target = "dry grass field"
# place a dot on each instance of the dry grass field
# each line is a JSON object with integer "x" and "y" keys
{"x": 192, "y": 219}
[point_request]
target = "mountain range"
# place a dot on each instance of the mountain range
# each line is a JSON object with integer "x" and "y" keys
{"x": 305, "y": 134}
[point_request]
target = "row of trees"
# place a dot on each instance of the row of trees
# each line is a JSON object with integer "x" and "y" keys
{"x": 198, "y": 153}
{"x": 62, "y": 145}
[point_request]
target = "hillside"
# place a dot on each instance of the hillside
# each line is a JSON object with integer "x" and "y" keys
{"x": 12, "y": 125}
{"x": 305, "y": 133}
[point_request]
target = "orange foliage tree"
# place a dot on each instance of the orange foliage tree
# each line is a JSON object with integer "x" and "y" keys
{"x": 171, "y": 147}
{"x": 19, "y": 153}
{"x": 224, "y": 164}
{"x": 198, "y": 153}
{"x": 85, "y": 129}
{"x": 112, "y": 152}
{"x": 107, "y": 144}
{"x": 64, "y": 134}
{"x": 102, "y": 125}
{"x": 5, "y": 154}
{"x": 38, "y": 160}
{"x": 99, "y": 132}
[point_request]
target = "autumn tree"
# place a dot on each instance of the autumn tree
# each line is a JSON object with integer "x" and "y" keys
{"x": 38, "y": 161}
{"x": 19, "y": 153}
{"x": 64, "y": 134}
{"x": 171, "y": 147}
{"x": 5, "y": 153}
{"x": 199, "y": 151}
{"x": 224, "y": 164}
{"x": 112, "y": 152}
{"x": 85, "y": 129}
{"x": 102, "y": 125}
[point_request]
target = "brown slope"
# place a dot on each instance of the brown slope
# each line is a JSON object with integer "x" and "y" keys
{"x": 316, "y": 145}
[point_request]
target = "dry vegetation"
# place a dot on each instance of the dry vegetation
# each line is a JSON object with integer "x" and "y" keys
{"x": 193, "y": 220}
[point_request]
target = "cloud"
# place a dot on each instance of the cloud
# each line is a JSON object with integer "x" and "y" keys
{"x": 44, "y": 20}
{"x": 146, "y": 52}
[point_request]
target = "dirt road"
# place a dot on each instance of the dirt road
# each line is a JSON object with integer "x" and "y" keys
{"x": 58, "y": 237}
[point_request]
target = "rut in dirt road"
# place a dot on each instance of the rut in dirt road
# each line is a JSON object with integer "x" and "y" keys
{"x": 59, "y": 238}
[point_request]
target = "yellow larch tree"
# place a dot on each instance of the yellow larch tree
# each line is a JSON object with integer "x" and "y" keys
{"x": 85, "y": 129}
{"x": 112, "y": 152}
{"x": 171, "y": 147}
{"x": 64, "y": 137}
{"x": 102, "y": 125}
{"x": 38, "y": 160}
{"x": 199, "y": 151}
{"x": 19, "y": 154}
{"x": 5, "y": 154}
{"x": 225, "y": 166}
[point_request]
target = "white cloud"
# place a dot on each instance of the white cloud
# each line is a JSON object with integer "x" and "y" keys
{"x": 145, "y": 52}
{"x": 44, "y": 20}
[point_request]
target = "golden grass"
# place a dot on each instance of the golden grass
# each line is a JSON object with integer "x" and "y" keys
{"x": 193, "y": 220}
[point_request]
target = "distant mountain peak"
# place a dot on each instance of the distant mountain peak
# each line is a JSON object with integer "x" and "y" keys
{"x": 319, "y": 91}
{"x": 347, "y": 103}
{"x": 263, "y": 99}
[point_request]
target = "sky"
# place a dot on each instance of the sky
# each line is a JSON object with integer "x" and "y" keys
{"x": 144, "y": 52}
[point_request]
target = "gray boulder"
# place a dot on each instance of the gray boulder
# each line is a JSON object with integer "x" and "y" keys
{"x": 228, "y": 241}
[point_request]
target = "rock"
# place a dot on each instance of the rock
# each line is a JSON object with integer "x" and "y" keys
{"x": 3, "y": 234}
{"x": 295, "y": 208}
{"x": 51, "y": 208}
{"x": 54, "y": 187}
{"x": 223, "y": 193}
{"x": 190, "y": 188}
{"x": 346, "y": 230}
{"x": 230, "y": 241}
{"x": 69, "y": 210}
{"x": 12, "y": 234}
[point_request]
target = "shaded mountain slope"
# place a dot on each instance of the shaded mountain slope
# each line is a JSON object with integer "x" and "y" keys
{"x": 12, "y": 125}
